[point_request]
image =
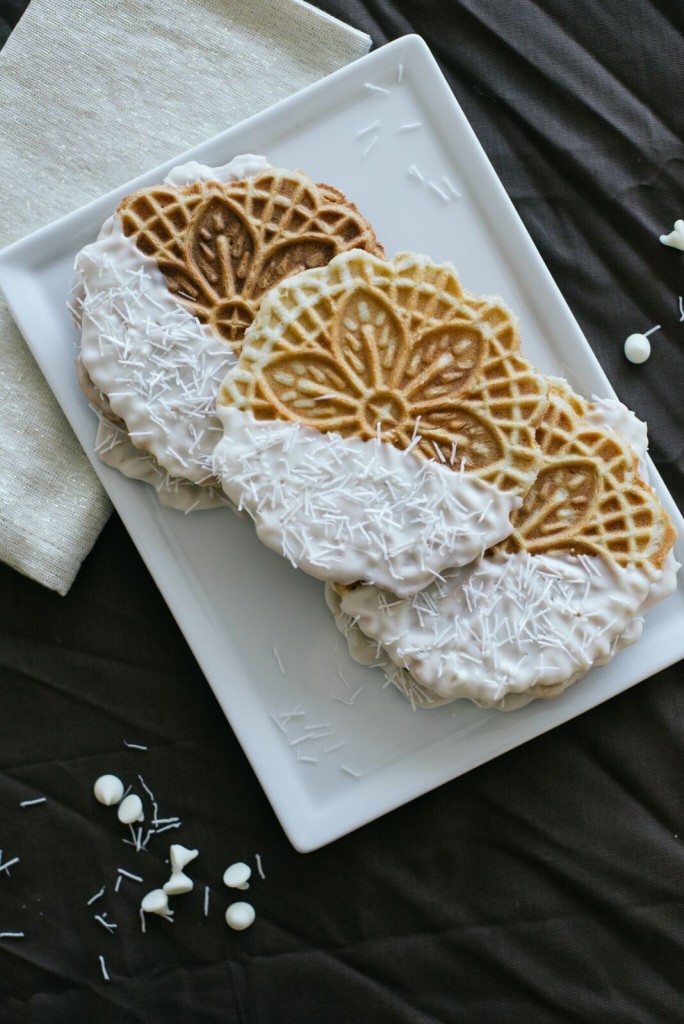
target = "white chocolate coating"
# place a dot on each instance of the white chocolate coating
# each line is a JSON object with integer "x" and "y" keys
{"x": 346, "y": 509}
{"x": 115, "y": 449}
{"x": 158, "y": 365}
{"x": 370, "y": 652}
{"x": 612, "y": 414}
{"x": 243, "y": 166}
{"x": 510, "y": 624}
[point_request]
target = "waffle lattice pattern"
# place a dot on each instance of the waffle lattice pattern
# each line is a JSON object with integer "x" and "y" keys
{"x": 396, "y": 349}
{"x": 588, "y": 497}
{"x": 221, "y": 247}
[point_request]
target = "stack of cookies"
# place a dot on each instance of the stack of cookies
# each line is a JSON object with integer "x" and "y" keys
{"x": 166, "y": 294}
{"x": 483, "y": 532}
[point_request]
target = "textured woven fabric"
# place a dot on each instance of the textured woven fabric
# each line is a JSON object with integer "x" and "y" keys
{"x": 120, "y": 88}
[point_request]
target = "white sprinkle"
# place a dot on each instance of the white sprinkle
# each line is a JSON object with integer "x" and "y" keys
{"x": 312, "y": 736}
{"x": 278, "y": 659}
{"x": 350, "y": 700}
{"x": 369, "y": 146}
{"x": 415, "y": 173}
{"x": 295, "y": 713}
{"x": 109, "y": 925}
{"x": 155, "y": 807}
{"x": 436, "y": 189}
{"x": 329, "y": 750}
{"x": 134, "y": 746}
{"x": 30, "y": 803}
{"x": 455, "y": 193}
{"x": 681, "y": 309}
{"x": 118, "y": 883}
{"x": 351, "y": 771}
{"x": 104, "y": 968}
{"x": 206, "y": 901}
{"x": 279, "y": 724}
{"x": 409, "y": 127}
{"x": 375, "y": 88}
{"x": 164, "y": 828}
{"x": 440, "y": 454}
{"x": 12, "y": 935}
{"x": 8, "y": 864}
{"x": 400, "y": 73}
{"x": 143, "y": 928}
{"x": 136, "y": 878}
{"x": 484, "y": 512}
{"x": 260, "y": 869}
{"x": 96, "y": 896}
{"x": 344, "y": 680}
{"x": 368, "y": 128}
{"x": 135, "y": 839}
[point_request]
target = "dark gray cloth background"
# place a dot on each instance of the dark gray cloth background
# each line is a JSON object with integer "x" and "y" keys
{"x": 548, "y": 885}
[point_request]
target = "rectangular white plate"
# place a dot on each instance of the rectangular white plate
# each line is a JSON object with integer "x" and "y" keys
{"x": 244, "y": 609}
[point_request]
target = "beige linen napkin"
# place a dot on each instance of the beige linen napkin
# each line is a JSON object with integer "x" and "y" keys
{"x": 91, "y": 95}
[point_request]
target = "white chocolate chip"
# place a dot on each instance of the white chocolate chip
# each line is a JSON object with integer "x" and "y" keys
{"x": 180, "y": 856}
{"x": 237, "y": 875}
{"x": 156, "y": 902}
{"x": 131, "y": 809}
{"x": 675, "y": 237}
{"x": 177, "y": 884}
{"x": 108, "y": 790}
{"x": 637, "y": 348}
{"x": 240, "y": 916}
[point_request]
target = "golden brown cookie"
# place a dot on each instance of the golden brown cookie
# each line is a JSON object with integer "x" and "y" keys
{"x": 221, "y": 247}
{"x": 590, "y": 552}
{"x": 398, "y": 350}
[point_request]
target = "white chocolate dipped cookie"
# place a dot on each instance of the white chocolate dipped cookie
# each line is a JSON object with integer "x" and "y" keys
{"x": 115, "y": 449}
{"x": 169, "y": 288}
{"x": 591, "y": 551}
{"x": 380, "y": 422}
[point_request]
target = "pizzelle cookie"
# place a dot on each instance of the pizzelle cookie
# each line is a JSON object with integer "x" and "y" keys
{"x": 173, "y": 282}
{"x": 115, "y": 449}
{"x": 590, "y": 552}
{"x": 380, "y": 422}
{"x": 222, "y": 247}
